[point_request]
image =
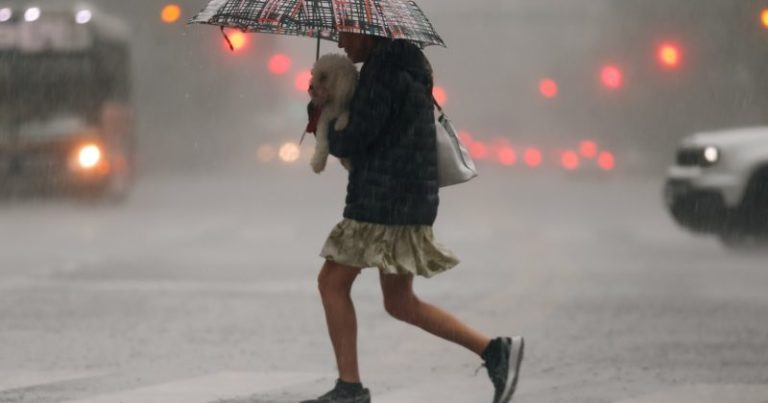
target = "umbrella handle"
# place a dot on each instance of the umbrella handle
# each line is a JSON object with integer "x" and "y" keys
{"x": 229, "y": 42}
{"x": 316, "y": 6}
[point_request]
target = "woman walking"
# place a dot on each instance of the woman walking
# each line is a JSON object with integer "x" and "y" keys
{"x": 391, "y": 205}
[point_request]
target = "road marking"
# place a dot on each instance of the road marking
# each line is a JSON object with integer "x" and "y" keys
{"x": 24, "y": 379}
{"x": 459, "y": 390}
{"x": 206, "y": 389}
{"x": 707, "y": 393}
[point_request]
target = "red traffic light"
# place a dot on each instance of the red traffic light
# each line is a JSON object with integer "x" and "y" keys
{"x": 170, "y": 13}
{"x": 279, "y": 64}
{"x": 439, "y": 94}
{"x": 548, "y": 88}
{"x": 301, "y": 82}
{"x": 612, "y": 77}
{"x": 670, "y": 55}
{"x": 764, "y": 17}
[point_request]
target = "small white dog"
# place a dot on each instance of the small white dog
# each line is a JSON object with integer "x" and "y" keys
{"x": 333, "y": 83}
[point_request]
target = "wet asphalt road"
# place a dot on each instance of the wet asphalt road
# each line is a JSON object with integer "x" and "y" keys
{"x": 207, "y": 274}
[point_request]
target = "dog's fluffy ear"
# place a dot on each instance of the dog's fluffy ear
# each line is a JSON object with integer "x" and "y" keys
{"x": 341, "y": 73}
{"x": 346, "y": 81}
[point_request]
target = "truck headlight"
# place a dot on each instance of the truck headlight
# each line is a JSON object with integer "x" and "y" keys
{"x": 89, "y": 156}
{"x": 711, "y": 155}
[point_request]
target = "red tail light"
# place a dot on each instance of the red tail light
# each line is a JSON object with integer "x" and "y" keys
{"x": 606, "y": 161}
{"x": 532, "y": 157}
{"x": 478, "y": 150}
{"x": 507, "y": 155}
{"x": 588, "y": 149}
{"x": 548, "y": 88}
{"x": 570, "y": 160}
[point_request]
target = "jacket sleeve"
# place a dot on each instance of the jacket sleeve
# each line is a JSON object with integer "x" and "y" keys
{"x": 369, "y": 112}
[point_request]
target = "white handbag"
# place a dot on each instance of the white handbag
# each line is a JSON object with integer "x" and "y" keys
{"x": 454, "y": 164}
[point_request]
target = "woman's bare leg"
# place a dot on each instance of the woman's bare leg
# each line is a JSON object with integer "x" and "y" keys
{"x": 335, "y": 283}
{"x": 403, "y": 304}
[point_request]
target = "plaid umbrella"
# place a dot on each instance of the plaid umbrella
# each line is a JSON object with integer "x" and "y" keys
{"x": 397, "y": 19}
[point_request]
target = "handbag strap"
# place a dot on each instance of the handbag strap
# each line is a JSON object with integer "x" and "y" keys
{"x": 437, "y": 104}
{"x": 439, "y": 108}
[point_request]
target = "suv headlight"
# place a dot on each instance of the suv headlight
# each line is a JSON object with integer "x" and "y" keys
{"x": 89, "y": 156}
{"x": 711, "y": 155}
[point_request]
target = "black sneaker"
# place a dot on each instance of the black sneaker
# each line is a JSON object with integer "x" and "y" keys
{"x": 342, "y": 395}
{"x": 502, "y": 360}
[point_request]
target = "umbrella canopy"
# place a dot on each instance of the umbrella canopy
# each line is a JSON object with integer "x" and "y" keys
{"x": 397, "y": 19}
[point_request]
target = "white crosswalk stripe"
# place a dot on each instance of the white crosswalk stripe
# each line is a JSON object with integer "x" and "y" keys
{"x": 707, "y": 393}
{"x": 23, "y": 379}
{"x": 206, "y": 389}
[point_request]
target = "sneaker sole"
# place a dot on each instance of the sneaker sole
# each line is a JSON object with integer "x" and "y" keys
{"x": 515, "y": 359}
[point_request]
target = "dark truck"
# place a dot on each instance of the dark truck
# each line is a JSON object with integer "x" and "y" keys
{"x": 66, "y": 116}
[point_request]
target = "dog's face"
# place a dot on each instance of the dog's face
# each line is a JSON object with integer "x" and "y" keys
{"x": 320, "y": 88}
{"x": 334, "y": 78}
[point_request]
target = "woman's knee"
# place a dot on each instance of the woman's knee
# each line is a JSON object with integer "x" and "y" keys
{"x": 402, "y": 305}
{"x": 336, "y": 279}
{"x": 399, "y": 299}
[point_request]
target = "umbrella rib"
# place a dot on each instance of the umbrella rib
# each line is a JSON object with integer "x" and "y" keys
{"x": 380, "y": 15}
{"x": 342, "y": 14}
{"x": 268, "y": 8}
{"x": 334, "y": 20}
{"x": 265, "y": 15}
{"x": 369, "y": 12}
{"x": 296, "y": 10}
{"x": 308, "y": 15}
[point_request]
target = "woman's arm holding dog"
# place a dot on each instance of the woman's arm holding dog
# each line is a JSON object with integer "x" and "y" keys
{"x": 369, "y": 112}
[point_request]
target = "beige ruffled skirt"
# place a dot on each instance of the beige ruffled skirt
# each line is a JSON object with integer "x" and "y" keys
{"x": 394, "y": 249}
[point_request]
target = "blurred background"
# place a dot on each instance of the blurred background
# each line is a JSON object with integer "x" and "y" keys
{"x": 631, "y": 77}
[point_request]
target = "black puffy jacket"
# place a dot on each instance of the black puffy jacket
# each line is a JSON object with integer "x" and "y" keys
{"x": 390, "y": 139}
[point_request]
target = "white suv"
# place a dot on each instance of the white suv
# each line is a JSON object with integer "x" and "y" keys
{"x": 719, "y": 185}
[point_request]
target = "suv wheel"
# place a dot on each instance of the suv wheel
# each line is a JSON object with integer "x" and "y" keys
{"x": 747, "y": 226}
{"x": 736, "y": 240}
{"x": 754, "y": 207}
